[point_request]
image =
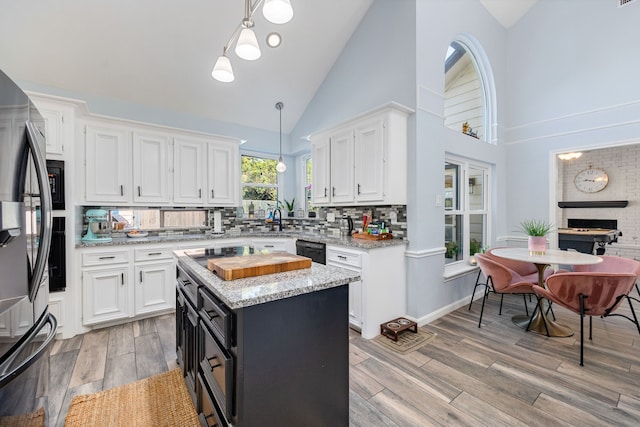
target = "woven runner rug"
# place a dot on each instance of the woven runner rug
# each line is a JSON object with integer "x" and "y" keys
{"x": 35, "y": 419}
{"x": 407, "y": 341}
{"x": 160, "y": 400}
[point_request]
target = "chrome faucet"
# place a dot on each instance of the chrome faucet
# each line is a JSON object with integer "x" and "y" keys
{"x": 277, "y": 212}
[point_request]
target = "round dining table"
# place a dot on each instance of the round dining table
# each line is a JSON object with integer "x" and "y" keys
{"x": 540, "y": 323}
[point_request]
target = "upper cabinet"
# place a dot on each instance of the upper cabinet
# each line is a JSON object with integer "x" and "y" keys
{"x": 223, "y": 173}
{"x": 107, "y": 165}
{"x": 59, "y": 118}
{"x": 148, "y": 166}
{"x": 362, "y": 161}
{"x": 189, "y": 173}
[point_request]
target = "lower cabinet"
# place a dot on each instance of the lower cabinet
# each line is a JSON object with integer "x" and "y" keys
{"x": 380, "y": 295}
{"x": 123, "y": 283}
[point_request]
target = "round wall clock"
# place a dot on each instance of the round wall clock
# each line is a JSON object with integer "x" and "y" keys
{"x": 591, "y": 180}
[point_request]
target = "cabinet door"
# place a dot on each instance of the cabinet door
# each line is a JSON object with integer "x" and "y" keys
{"x": 150, "y": 168}
{"x": 342, "y": 167}
{"x": 107, "y": 165}
{"x": 105, "y": 295}
{"x": 154, "y": 287}
{"x": 369, "y": 161}
{"x": 188, "y": 171}
{"x": 53, "y": 123}
{"x": 320, "y": 171}
{"x": 223, "y": 173}
{"x": 355, "y": 304}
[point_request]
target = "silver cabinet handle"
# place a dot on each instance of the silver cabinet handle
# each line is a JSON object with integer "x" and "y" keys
{"x": 199, "y": 193}
{"x": 212, "y": 194}
{"x": 268, "y": 246}
{"x": 139, "y": 191}
{"x": 154, "y": 253}
{"x": 325, "y": 191}
{"x": 122, "y": 190}
{"x": 140, "y": 277}
{"x": 107, "y": 257}
{"x": 342, "y": 257}
{"x": 122, "y": 279}
{"x": 358, "y": 189}
{"x": 333, "y": 192}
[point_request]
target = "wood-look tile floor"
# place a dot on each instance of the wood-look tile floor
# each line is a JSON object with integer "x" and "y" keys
{"x": 497, "y": 375}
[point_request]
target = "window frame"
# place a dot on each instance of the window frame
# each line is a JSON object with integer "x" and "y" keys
{"x": 277, "y": 186}
{"x": 464, "y": 209}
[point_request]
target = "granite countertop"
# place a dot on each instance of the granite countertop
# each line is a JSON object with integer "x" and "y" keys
{"x": 318, "y": 238}
{"x": 271, "y": 287}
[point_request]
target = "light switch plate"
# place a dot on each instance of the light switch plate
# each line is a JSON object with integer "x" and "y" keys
{"x": 393, "y": 217}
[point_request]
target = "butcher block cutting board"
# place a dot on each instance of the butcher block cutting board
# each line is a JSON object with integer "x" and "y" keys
{"x": 238, "y": 267}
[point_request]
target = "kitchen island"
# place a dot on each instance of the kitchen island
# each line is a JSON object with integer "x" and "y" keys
{"x": 266, "y": 350}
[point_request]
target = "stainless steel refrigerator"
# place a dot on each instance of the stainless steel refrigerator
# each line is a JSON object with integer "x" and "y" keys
{"x": 27, "y": 329}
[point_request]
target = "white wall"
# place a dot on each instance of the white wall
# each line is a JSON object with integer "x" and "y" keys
{"x": 573, "y": 85}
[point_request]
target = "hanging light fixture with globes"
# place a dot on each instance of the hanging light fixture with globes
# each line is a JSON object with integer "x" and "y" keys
{"x": 280, "y": 166}
{"x": 247, "y": 47}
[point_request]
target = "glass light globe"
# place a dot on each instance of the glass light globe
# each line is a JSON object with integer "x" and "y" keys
{"x": 281, "y": 167}
{"x": 247, "y": 46}
{"x": 222, "y": 71}
{"x": 277, "y": 11}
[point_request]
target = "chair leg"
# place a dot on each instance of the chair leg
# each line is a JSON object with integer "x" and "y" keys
{"x": 582, "y": 329}
{"x": 590, "y": 328}
{"x": 501, "y": 298}
{"x": 484, "y": 298}
{"x": 474, "y": 288}
{"x": 526, "y": 309}
{"x": 633, "y": 312}
{"x": 637, "y": 289}
{"x": 550, "y": 309}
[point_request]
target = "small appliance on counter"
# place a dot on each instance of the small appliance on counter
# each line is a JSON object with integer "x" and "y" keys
{"x": 98, "y": 228}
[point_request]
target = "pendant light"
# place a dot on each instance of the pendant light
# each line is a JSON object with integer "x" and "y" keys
{"x": 277, "y": 11}
{"x": 247, "y": 47}
{"x": 280, "y": 167}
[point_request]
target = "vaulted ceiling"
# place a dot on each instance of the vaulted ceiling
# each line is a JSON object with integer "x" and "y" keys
{"x": 159, "y": 54}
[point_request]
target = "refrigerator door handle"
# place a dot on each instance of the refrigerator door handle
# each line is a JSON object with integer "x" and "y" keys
{"x": 45, "y": 208}
{"x": 7, "y": 360}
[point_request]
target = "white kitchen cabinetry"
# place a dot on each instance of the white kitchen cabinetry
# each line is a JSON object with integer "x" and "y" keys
{"x": 381, "y": 295}
{"x": 119, "y": 284}
{"x": 106, "y": 290}
{"x": 351, "y": 260}
{"x": 107, "y": 165}
{"x": 321, "y": 171}
{"x": 223, "y": 174}
{"x": 59, "y": 120}
{"x": 367, "y": 160}
{"x": 150, "y": 168}
{"x": 275, "y": 245}
{"x": 189, "y": 173}
{"x": 155, "y": 272}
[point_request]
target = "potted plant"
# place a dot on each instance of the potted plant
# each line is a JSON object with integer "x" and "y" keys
{"x": 290, "y": 206}
{"x": 537, "y": 231}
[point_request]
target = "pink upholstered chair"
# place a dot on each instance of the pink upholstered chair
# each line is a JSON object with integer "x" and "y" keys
{"x": 526, "y": 270}
{"x": 588, "y": 294}
{"x": 502, "y": 280}
{"x": 616, "y": 264}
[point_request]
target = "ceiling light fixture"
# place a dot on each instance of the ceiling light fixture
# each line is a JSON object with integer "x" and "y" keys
{"x": 569, "y": 156}
{"x": 280, "y": 167}
{"x": 247, "y": 47}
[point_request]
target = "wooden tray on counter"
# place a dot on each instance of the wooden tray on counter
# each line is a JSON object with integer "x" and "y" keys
{"x": 366, "y": 236}
{"x": 238, "y": 267}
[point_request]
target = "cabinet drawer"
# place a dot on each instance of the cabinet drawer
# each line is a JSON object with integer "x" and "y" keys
{"x": 353, "y": 259}
{"x": 105, "y": 258}
{"x": 153, "y": 254}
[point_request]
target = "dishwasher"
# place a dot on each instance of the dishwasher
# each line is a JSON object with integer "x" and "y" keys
{"x": 316, "y": 251}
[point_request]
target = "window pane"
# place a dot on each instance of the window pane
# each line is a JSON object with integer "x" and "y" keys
{"x": 256, "y": 170}
{"x": 453, "y": 238}
{"x": 463, "y": 93}
{"x": 476, "y": 233}
{"x": 184, "y": 218}
{"x": 451, "y": 185}
{"x": 476, "y": 190}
